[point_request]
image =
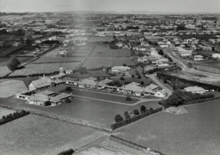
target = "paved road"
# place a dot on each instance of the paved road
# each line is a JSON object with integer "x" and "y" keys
{"x": 185, "y": 68}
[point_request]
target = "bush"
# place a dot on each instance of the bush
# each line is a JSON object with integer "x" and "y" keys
{"x": 118, "y": 118}
{"x": 127, "y": 116}
{"x": 139, "y": 76}
{"x": 128, "y": 98}
{"x": 67, "y": 152}
{"x": 47, "y": 103}
{"x": 68, "y": 89}
{"x": 142, "y": 82}
{"x": 143, "y": 109}
{"x": 136, "y": 112}
{"x": 67, "y": 100}
{"x": 127, "y": 82}
{"x": 132, "y": 75}
{"x": 122, "y": 78}
{"x": 13, "y": 64}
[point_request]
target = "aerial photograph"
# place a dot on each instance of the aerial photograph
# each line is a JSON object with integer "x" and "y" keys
{"x": 109, "y": 77}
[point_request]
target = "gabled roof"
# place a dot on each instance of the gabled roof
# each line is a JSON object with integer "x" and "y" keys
{"x": 152, "y": 86}
{"x": 193, "y": 88}
{"x": 104, "y": 82}
{"x": 27, "y": 81}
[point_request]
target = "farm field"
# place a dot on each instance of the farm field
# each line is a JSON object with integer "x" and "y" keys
{"x": 4, "y": 112}
{"x": 10, "y": 87}
{"x": 100, "y": 39}
{"x": 56, "y": 60}
{"x": 8, "y": 51}
{"x": 195, "y": 132}
{"x": 52, "y": 53}
{"x": 4, "y": 71}
{"x": 36, "y": 135}
{"x": 95, "y": 62}
{"x": 44, "y": 68}
{"x": 97, "y": 112}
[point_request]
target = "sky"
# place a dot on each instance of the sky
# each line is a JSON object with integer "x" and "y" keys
{"x": 185, "y": 6}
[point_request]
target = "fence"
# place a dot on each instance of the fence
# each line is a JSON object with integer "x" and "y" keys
{"x": 135, "y": 118}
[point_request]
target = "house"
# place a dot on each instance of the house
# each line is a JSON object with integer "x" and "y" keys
{"x": 153, "y": 87}
{"x": 160, "y": 93}
{"x": 198, "y": 57}
{"x": 132, "y": 88}
{"x": 163, "y": 65}
{"x": 88, "y": 82}
{"x": 38, "y": 99}
{"x": 119, "y": 69}
{"x": 161, "y": 61}
{"x": 195, "y": 90}
{"x": 216, "y": 55}
{"x": 103, "y": 83}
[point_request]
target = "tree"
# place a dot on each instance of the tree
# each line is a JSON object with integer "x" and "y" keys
{"x": 132, "y": 75}
{"x": 13, "y": 64}
{"x": 127, "y": 116}
{"x": 22, "y": 40}
{"x": 118, "y": 118}
{"x": 142, "y": 82}
{"x": 47, "y": 103}
{"x": 126, "y": 82}
{"x": 128, "y": 98}
{"x": 122, "y": 78}
{"x": 83, "y": 70}
{"x": 136, "y": 112}
{"x": 29, "y": 42}
{"x": 124, "y": 65}
{"x": 190, "y": 65}
{"x": 126, "y": 112}
{"x": 139, "y": 76}
{"x": 143, "y": 109}
{"x": 160, "y": 52}
{"x": 67, "y": 100}
{"x": 68, "y": 89}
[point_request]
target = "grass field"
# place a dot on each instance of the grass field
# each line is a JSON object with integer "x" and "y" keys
{"x": 56, "y": 60}
{"x": 96, "y": 62}
{"x": 196, "y": 132}
{"x": 4, "y": 112}
{"x": 44, "y": 68}
{"x": 4, "y": 71}
{"x": 37, "y": 135}
{"x": 52, "y": 53}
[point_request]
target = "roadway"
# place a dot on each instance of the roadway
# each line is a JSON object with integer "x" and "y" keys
{"x": 184, "y": 67}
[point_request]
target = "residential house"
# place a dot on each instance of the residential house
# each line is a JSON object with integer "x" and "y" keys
{"x": 87, "y": 83}
{"x": 195, "y": 90}
{"x": 216, "y": 55}
{"x": 102, "y": 84}
{"x": 119, "y": 69}
{"x": 153, "y": 87}
{"x": 161, "y": 93}
{"x": 132, "y": 88}
{"x": 198, "y": 57}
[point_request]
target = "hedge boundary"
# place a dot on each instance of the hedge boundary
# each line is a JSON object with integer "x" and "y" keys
{"x": 135, "y": 118}
{"x": 19, "y": 115}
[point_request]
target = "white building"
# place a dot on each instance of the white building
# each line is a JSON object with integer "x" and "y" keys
{"x": 161, "y": 93}
{"x": 198, "y": 57}
{"x": 216, "y": 55}
{"x": 195, "y": 90}
{"x": 119, "y": 69}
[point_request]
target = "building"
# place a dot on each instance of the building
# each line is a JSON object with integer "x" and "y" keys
{"x": 198, "y": 57}
{"x": 102, "y": 84}
{"x": 160, "y": 93}
{"x": 216, "y": 55}
{"x": 153, "y": 87}
{"x": 87, "y": 83}
{"x": 132, "y": 88}
{"x": 119, "y": 69}
{"x": 195, "y": 90}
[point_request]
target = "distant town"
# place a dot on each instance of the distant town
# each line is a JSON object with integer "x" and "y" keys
{"x": 109, "y": 81}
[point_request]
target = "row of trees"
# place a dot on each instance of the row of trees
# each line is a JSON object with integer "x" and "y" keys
{"x": 14, "y": 115}
{"x": 127, "y": 115}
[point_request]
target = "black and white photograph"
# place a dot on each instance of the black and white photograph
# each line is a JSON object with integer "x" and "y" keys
{"x": 109, "y": 77}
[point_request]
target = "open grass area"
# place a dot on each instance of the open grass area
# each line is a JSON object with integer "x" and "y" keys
{"x": 100, "y": 39}
{"x": 37, "y": 135}
{"x": 56, "y": 60}
{"x": 44, "y": 68}
{"x": 52, "y": 53}
{"x": 195, "y": 132}
{"x": 4, "y": 71}
{"x": 96, "y": 62}
{"x": 4, "y": 112}
{"x": 11, "y": 50}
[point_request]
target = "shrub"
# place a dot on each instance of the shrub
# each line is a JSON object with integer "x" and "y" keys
{"x": 126, "y": 112}
{"x": 67, "y": 100}
{"x": 142, "y": 82}
{"x": 127, "y": 82}
{"x": 143, "y": 109}
{"x": 127, "y": 116}
{"x": 136, "y": 112}
{"x": 118, "y": 118}
{"x": 67, "y": 152}
{"x": 132, "y": 75}
{"x": 122, "y": 78}
{"x": 47, "y": 103}
{"x": 128, "y": 98}
{"x": 13, "y": 64}
{"x": 139, "y": 76}
{"x": 68, "y": 89}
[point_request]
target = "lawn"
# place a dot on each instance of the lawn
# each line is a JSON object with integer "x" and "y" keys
{"x": 11, "y": 50}
{"x": 37, "y": 135}
{"x": 44, "y": 68}
{"x": 52, "y": 53}
{"x": 196, "y": 132}
{"x": 97, "y": 112}
{"x": 56, "y": 60}
{"x": 4, "y": 112}
{"x": 96, "y": 62}
{"x": 4, "y": 71}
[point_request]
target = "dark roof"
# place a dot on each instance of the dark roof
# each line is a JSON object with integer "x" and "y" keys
{"x": 28, "y": 80}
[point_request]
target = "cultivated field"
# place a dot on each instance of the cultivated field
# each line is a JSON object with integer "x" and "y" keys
{"x": 52, "y": 53}
{"x": 37, "y": 135}
{"x": 194, "y": 132}
{"x": 4, "y": 112}
{"x": 10, "y": 87}
{"x": 4, "y": 71}
{"x": 44, "y": 68}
